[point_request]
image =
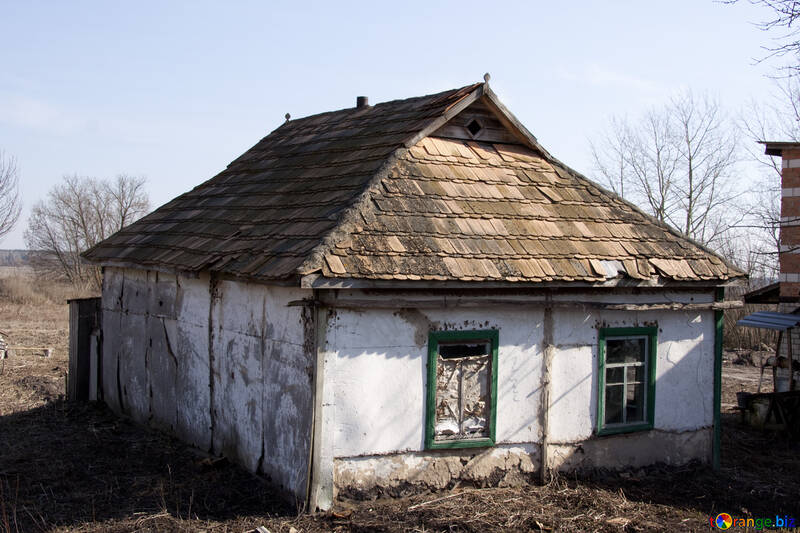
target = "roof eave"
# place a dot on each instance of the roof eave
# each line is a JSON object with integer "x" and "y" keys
{"x": 776, "y": 148}
{"x": 291, "y": 280}
{"x": 319, "y": 281}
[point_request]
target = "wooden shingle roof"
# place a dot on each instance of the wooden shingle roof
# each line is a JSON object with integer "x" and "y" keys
{"x": 377, "y": 193}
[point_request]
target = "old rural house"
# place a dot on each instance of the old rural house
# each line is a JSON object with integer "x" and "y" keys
{"x": 403, "y": 295}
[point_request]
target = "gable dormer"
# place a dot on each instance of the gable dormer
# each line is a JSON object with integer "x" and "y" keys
{"x": 477, "y": 123}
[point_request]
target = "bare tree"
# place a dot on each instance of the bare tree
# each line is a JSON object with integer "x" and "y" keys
{"x": 77, "y": 214}
{"x": 785, "y": 18}
{"x": 774, "y": 118}
{"x": 10, "y": 204}
{"x": 677, "y": 161}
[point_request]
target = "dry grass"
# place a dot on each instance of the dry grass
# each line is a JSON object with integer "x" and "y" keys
{"x": 28, "y": 379}
{"x": 18, "y": 285}
{"x": 78, "y": 468}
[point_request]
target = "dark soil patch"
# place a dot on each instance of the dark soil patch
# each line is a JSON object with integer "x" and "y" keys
{"x": 44, "y": 387}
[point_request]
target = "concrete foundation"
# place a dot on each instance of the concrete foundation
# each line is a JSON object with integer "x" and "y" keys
{"x": 401, "y": 474}
{"x": 511, "y": 465}
{"x": 632, "y": 450}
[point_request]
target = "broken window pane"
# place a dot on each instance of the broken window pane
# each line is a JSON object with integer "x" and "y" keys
{"x": 448, "y": 351}
{"x": 463, "y": 373}
{"x": 448, "y": 378}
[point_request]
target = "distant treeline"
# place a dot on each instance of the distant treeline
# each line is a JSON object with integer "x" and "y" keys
{"x": 15, "y": 257}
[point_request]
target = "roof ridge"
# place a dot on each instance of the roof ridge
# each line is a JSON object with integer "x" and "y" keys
{"x": 348, "y": 217}
{"x": 441, "y": 94}
{"x": 350, "y": 214}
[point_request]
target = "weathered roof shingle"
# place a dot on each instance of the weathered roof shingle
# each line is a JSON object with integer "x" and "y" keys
{"x": 460, "y": 210}
{"x": 368, "y": 193}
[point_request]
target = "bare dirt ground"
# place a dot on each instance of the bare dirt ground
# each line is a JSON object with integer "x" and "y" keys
{"x": 77, "y": 467}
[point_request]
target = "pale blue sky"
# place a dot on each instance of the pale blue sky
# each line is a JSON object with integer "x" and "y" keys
{"x": 174, "y": 91}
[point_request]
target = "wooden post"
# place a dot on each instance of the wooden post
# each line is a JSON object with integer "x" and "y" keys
{"x": 78, "y": 356}
{"x": 716, "y": 450}
{"x": 775, "y": 366}
{"x": 320, "y": 475}
{"x": 544, "y": 407}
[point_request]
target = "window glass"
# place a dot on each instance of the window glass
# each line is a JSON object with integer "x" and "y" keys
{"x": 614, "y": 404}
{"x": 626, "y": 385}
{"x": 634, "y": 403}
{"x": 615, "y": 375}
{"x": 625, "y": 350}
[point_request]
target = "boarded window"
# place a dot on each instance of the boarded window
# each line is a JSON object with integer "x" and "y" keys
{"x": 461, "y": 402}
{"x": 627, "y": 379}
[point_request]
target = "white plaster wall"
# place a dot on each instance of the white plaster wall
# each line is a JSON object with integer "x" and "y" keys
{"x": 262, "y": 381}
{"x": 155, "y": 350}
{"x": 685, "y": 372}
{"x": 246, "y": 394}
{"x": 684, "y": 369}
{"x": 378, "y": 374}
{"x": 191, "y": 383}
{"x": 238, "y": 319}
{"x": 375, "y": 373}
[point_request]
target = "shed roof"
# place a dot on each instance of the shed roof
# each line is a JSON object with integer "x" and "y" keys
{"x": 370, "y": 193}
{"x": 770, "y": 320}
{"x": 777, "y": 147}
{"x": 769, "y": 294}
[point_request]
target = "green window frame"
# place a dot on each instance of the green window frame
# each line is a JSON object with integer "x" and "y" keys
{"x": 626, "y": 364}
{"x": 439, "y": 362}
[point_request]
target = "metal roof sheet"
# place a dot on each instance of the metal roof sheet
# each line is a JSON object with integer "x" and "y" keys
{"x": 770, "y": 320}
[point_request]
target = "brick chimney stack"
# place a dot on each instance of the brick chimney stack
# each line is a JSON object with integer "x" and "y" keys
{"x": 789, "y": 276}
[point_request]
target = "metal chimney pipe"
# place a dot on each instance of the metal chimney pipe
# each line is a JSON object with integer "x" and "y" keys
{"x": 362, "y": 101}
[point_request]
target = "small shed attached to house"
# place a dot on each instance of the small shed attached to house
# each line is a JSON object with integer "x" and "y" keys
{"x": 401, "y": 296}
